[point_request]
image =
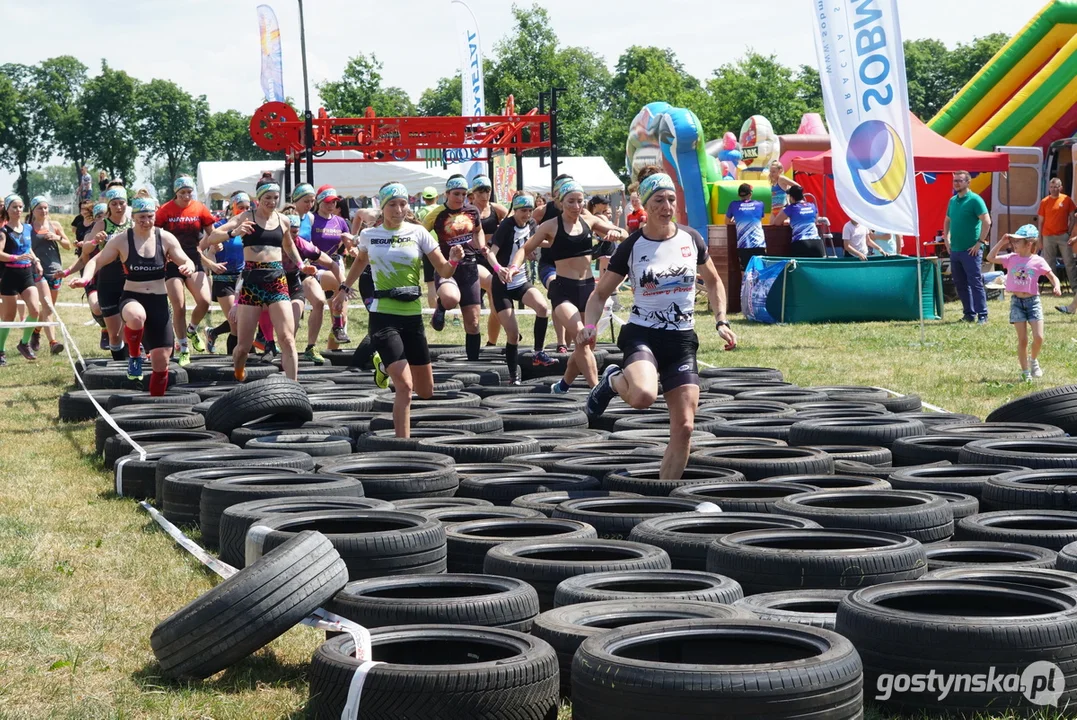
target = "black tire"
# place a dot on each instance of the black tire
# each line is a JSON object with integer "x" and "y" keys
{"x": 172, "y": 396}
{"x": 386, "y": 441}
{"x": 787, "y": 395}
{"x": 534, "y": 401}
{"x": 396, "y": 478}
{"x": 817, "y": 608}
{"x": 452, "y": 599}
{"x": 742, "y": 373}
{"x": 545, "y": 564}
{"x": 116, "y": 446}
{"x": 503, "y": 489}
{"x": 1031, "y": 490}
{"x": 326, "y": 464}
{"x": 851, "y": 467}
{"x": 614, "y": 518}
{"x": 498, "y": 469}
{"x": 1039, "y": 578}
{"x": 1052, "y": 529}
{"x": 852, "y": 393}
{"x": 248, "y": 610}
{"x": 770, "y": 560}
{"x": 753, "y": 427}
{"x": 966, "y": 553}
{"x": 476, "y": 420}
{"x": 114, "y": 377}
{"x": 547, "y": 460}
{"x": 917, "y": 515}
{"x": 660, "y": 435}
{"x": 867, "y": 408}
{"x": 968, "y": 479}
{"x": 565, "y": 628}
{"x": 549, "y": 438}
{"x": 478, "y": 448}
{"x": 622, "y": 417}
{"x": 922, "y": 449}
{"x": 250, "y": 461}
{"x": 758, "y": 463}
{"x": 610, "y": 446}
{"x": 646, "y": 479}
{"x": 746, "y": 497}
{"x": 313, "y": 445}
{"x": 220, "y": 495}
{"x": 468, "y": 542}
{"x": 279, "y": 399}
{"x": 546, "y": 502}
{"x": 874, "y": 431}
{"x": 335, "y": 401}
{"x": 439, "y": 503}
{"x": 243, "y": 436}
{"x": 179, "y": 494}
{"x": 222, "y": 372}
{"x": 832, "y": 482}
{"x": 686, "y": 537}
{"x": 450, "y": 672}
{"x": 1035, "y": 454}
{"x": 601, "y": 465}
{"x": 138, "y": 478}
{"x": 685, "y": 669}
{"x": 372, "y": 543}
{"x": 1067, "y": 558}
{"x": 456, "y": 514}
{"x": 237, "y": 519}
{"x": 383, "y": 401}
{"x": 143, "y": 418}
{"x": 1012, "y": 626}
{"x": 743, "y": 409}
{"x": 999, "y": 430}
{"x": 933, "y": 419}
{"x": 655, "y": 585}
{"x": 75, "y": 405}
{"x": 357, "y": 423}
{"x": 1057, "y": 406}
{"x": 872, "y": 455}
{"x": 961, "y": 504}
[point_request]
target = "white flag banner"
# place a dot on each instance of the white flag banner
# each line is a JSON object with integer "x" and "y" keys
{"x": 467, "y": 31}
{"x": 862, "y": 69}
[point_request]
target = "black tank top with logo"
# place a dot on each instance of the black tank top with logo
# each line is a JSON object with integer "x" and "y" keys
{"x": 138, "y": 268}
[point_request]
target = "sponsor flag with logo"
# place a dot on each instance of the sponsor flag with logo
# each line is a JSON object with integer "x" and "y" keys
{"x": 473, "y": 94}
{"x": 862, "y": 69}
{"x": 272, "y": 69}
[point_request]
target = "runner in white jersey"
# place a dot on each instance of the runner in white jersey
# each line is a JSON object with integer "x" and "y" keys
{"x": 659, "y": 341}
{"x": 394, "y": 252}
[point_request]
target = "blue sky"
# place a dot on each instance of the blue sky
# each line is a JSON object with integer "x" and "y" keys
{"x": 211, "y": 47}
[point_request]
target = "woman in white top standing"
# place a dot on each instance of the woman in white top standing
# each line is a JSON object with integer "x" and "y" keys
{"x": 659, "y": 341}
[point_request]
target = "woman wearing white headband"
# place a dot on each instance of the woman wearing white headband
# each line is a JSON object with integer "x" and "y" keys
{"x": 659, "y": 341}
{"x": 395, "y": 252}
{"x": 266, "y": 237}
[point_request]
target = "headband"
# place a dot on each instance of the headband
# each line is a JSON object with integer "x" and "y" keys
{"x": 480, "y": 181}
{"x": 653, "y": 183}
{"x": 324, "y": 195}
{"x": 241, "y": 197}
{"x": 143, "y": 205}
{"x": 570, "y": 186}
{"x": 267, "y": 188}
{"x": 116, "y": 193}
{"x": 523, "y": 202}
{"x": 456, "y": 183}
{"x": 100, "y": 208}
{"x": 10, "y": 199}
{"x": 294, "y": 221}
{"x": 392, "y": 191}
{"x": 302, "y": 191}
{"x": 559, "y": 184}
{"x": 37, "y": 200}
{"x": 183, "y": 181}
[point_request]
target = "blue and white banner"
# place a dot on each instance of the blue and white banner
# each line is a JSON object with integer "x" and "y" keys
{"x": 473, "y": 100}
{"x": 272, "y": 69}
{"x": 862, "y": 69}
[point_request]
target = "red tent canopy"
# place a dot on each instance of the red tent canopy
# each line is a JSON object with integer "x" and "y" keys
{"x": 931, "y": 153}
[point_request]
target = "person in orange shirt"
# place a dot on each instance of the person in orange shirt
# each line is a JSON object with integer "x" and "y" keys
{"x": 1055, "y": 222}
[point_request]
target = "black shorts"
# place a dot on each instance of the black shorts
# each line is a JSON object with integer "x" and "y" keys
{"x": 466, "y": 278}
{"x": 673, "y": 352}
{"x": 366, "y": 286}
{"x": 172, "y": 270}
{"x": 16, "y": 280}
{"x": 223, "y": 286}
{"x": 428, "y": 270}
{"x": 810, "y": 248}
{"x": 157, "y": 332}
{"x": 503, "y": 297}
{"x": 108, "y": 298}
{"x": 295, "y": 285}
{"x": 746, "y": 255}
{"x": 567, "y": 290}
{"x": 399, "y": 337}
{"x": 604, "y": 248}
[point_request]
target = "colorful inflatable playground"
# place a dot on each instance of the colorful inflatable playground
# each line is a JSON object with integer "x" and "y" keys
{"x": 1024, "y": 97}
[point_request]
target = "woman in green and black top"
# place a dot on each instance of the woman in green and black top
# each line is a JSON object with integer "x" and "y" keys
{"x": 394, "y": 252}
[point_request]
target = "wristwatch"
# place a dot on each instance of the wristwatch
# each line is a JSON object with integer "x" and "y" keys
{"x": 719, "y": 323}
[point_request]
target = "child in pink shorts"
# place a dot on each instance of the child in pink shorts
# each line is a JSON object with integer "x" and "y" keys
{"x": 1023, "y": 271}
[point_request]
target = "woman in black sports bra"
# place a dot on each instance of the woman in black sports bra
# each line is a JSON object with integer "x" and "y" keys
{"x": 266, "y": 237}
{"x": 569, "y": 243}
{"x": 142, "y": 251}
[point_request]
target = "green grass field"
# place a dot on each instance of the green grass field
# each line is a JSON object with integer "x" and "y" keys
{"x": 85, "y": 575}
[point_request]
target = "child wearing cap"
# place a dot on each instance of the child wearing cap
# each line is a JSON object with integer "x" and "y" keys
{"x": 1023, "y": 271}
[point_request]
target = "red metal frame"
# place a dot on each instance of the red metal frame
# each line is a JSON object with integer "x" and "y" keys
{"x": 276, "y": 127}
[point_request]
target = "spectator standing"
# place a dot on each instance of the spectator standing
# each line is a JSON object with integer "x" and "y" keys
{"x": 1055, "y": 222}
{"x": 635, "y": 219}
{"x": 85, "y": 185}
{"x": 967, "y": 227}
{"x": 747, "y": 215}
{"x": 779, "y": 188}
{"x": 102, "y": 182}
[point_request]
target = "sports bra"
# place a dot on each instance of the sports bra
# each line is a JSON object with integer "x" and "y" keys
{"x": 261, "y": 236}
{"x": 567, "y": 246}
{"x": 144, "y": 269}
{"x": 489, "y": 224}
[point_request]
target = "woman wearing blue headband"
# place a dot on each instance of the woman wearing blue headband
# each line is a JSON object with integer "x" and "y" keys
{"x": 227, "y": 265}
{"x": 505, "y": 253}
{"x": 663, "y": 260}
{"x": 266, "y": 237}
{"x": 490, "y": 216}
{"x": 394, "y": 251}
{"x": 46, "y": 238}
{"x": 17, "y": 280}
{"x": 331, "y": 234}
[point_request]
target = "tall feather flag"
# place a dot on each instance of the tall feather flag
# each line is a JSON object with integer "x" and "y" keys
{"x": 272, "y": 67}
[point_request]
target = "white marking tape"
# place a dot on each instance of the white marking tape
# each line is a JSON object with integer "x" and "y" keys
{"x": 355, "y": 690}
{"x": 119, "y": 473}
{"x": 256, "y": 538}
{"x": 23, "y": 325}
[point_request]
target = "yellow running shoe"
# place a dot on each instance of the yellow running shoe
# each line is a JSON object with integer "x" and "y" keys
{"x": 381, "y": 378}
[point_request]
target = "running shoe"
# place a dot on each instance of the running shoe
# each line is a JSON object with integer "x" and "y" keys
{"x": 270, "y": 349}
{"x": 341, "y": 335}
{"x": 25, "y": 351}
{"x": 1064, "y": 309}
{"x": 3, "y": 358}
{"x": 438, "y": 320}
{"x": 381, "y": 378}
{"x": 1037, "y": 371}
{"x": 35, "y": 341}
{"x": 562, "y": 348}
{"x": 1026, "y": 376}
{"x": 311, "y": 354}
{"x": 196, "y": 340}
{"x": 541, "y": 358}
{"x": 56, "y": 348}
{"x": 240, "y": 374}
{"x": 211, "y": 341}
{"x": 134, "y": 368}
{"x": 556, "y": 389}
{"x": 104, "y": 340}
{"x": 601, "y": 394}
{"x": 184, "y": 358}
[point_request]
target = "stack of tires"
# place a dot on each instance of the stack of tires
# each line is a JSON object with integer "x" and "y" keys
{"x": 822, "y": 544}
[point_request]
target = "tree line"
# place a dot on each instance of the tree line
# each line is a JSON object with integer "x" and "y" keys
{"x": 55, "y": 109}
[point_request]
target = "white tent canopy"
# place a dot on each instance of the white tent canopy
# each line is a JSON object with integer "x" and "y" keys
{"x": 218, "y": 180}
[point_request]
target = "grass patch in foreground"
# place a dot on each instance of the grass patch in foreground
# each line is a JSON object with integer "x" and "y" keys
{"x": 85, "y": 576}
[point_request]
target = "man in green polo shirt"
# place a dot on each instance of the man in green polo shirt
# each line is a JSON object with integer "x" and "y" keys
{"x": 966, "y": 230}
